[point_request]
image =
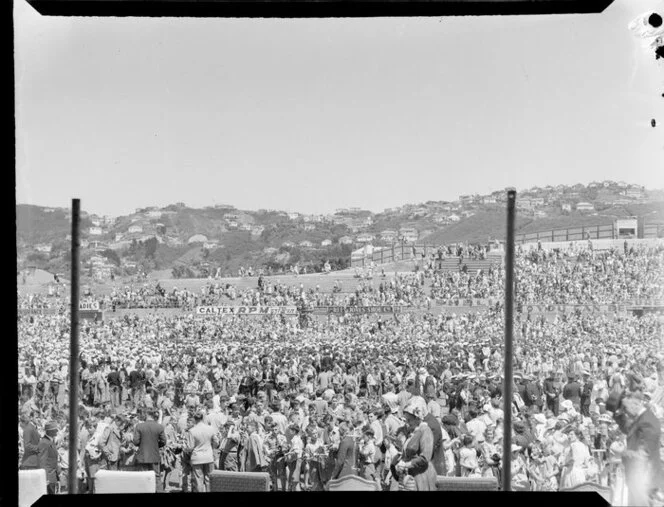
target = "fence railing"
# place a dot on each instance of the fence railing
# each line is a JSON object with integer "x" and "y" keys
{"x": 605, "y": 231}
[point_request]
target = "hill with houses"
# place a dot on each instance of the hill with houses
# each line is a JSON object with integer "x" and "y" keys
{"x": 198, "y": 242}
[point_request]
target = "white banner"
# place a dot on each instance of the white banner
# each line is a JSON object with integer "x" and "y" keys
{"x": 88, "y": 305}
{"x": 246, "y": 310}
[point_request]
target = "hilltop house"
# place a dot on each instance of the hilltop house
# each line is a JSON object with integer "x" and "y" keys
{"x": 346, "y": 240}
{"x": 365, "y": 238}
{"x": 135, "y": 229}
{"x": 566, "y": 206}
{"x": 293, "y": 216}
{"x": 585, "y": 206}
{"x": 388, "y": 235}
{"x": 306, "y": 244}
{"x": 95, "y": 231}
{"x": 489, "y": 200}
{"x": 197, "y": 238}
{"x": 288, "y": 244}
{"x": 454, "y": 218}
{"x": 326, "y": 243}
{"x": 44, "y": 248}
{"x": 309, "y": 227}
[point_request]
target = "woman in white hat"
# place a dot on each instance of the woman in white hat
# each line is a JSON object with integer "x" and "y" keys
{"x": 417, "y": 452}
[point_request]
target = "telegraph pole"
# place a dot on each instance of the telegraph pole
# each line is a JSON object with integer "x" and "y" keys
{"x": 73, "y": 358}
{"x": 509, "y": 324}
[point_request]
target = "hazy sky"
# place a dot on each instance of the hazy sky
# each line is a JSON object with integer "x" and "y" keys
{"x": 316, "y": 114}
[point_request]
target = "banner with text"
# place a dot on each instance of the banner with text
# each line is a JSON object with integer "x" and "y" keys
{"x": 246, "y": 310}
{"x": 562, "y": 309}
{"x": 360, "y": 309}
{"x": 88, "y": 305}
{"x": 482, "y": 302}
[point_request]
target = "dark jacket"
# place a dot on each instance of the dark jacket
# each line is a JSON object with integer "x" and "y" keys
{"x": 533, "y": 394}
{"x": 48, "y": 459}
{"x": 436, "y": 429}
{"x": 572, "y": 392}
{"x": 30, "y": 447}
{"x": 586, "y": 393}
{"x": 149, "y": 436}
{"x": 345, "y": 462}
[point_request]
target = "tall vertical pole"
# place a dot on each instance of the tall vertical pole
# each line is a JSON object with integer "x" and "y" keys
{"x": 73, "y": 357}
{"x": 509, "y": 324}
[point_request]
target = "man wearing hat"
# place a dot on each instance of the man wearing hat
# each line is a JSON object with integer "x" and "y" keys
{"x": 149, "y": 437}
{"x": 551, "y": 392}
{"x": 48, "y": 456}
{"x": 110, "y": 443}
{"x": 572, "y": 391}
{"x": 586, "y": 393}
{"x": 199, "y": 442}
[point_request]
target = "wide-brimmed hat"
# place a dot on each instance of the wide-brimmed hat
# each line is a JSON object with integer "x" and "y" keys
{"x": 51, "y": 427}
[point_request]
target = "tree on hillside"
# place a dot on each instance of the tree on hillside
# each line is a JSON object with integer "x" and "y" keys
{"x": 112, "y": 256}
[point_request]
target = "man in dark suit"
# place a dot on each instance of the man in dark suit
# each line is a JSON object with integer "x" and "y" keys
{"x": 551, "y": 391}
{"x": 346, "y": 455}
{"x": 149, "y": 436}
{"x": 572, "y": 391}
{"x": 30, "y": 460}
{"x": 643, "y": 466}
{"x": 586, "y": 393}
{"x": 533, "y": 393}
{"x": 48, "y": 456}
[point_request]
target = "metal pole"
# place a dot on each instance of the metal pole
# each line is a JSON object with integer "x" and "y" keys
{"x": 509, "y": 324}
{"x": 73, "y": 358}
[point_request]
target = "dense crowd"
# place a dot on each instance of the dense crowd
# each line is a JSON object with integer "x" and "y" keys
{"x": 396, "y": 399}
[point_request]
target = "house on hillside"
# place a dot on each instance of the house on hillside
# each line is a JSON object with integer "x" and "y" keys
{"x": 173, "y": 241}
{"x": 454, "y": 218}
{"x": 245, "y": 227}
{"x": 288, "y": 244}
{"x": 346, "y": 240}
{"x": 232, "y": 224}
{"x": 306, "y": 244}
{"x": 293, "y": 216}
{"x": 488, "y": 200}
{"x": 84, "y": 243}
{"x": 594, "y": 184}
{"x": 309, "y": 227}
{"x": 257, "y": 230}
{"x": 467, "y": 214}
{"x": 409, "y": 237}
{"x": 211, "y": 244}
{"x": 44, "y": 248}
{"x": 585, "y": 206}
{"x": 326, "y": 243}
{"x": 197, "y": 238}
{"x": 633, "y": 193}
{"x": 154, "y": 214}
{"x": 537, "y": 201}
{"x": 525, "y": 204}
{"x": 135, "y": 229}
{"x": 95, "y": 231}
{"x": 566, "y": 206}
{"x": 270, "y": 250}
{"x": 540, "y": 214}
{"x": 388, "y": 235}
{"x": 365, "y": 238}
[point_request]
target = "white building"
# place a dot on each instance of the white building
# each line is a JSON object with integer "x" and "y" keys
{"x": 585, "y": 206}
{"x": 326, "y": 243}
{"x": 197, "y": 238}
{"x": 135, "y": 229}
{"x": 95, "y": 231}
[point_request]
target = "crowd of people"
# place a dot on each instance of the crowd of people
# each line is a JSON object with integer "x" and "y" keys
{"x": 396, "y": 399}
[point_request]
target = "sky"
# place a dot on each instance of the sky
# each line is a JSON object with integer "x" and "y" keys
{"x": 311, "y": 115}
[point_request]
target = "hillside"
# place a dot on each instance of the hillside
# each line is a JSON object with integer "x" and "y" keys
{"x": 193, "y": 242}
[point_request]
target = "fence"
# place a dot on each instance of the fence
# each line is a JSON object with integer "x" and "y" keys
{"x": 605, "y": 231}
